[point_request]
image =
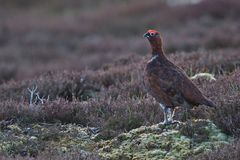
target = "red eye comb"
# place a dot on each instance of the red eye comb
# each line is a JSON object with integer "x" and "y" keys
{"x": 152, "y": 31}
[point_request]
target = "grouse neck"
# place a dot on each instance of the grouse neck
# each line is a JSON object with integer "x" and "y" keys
{"x": 160, "y": 54}
{"x": 156, "y": 45}
{"x": 157, "y": 49}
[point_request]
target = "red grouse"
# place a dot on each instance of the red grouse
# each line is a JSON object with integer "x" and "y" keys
{"x": 168, "y": 83}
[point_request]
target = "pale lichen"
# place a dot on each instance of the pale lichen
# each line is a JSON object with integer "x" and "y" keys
{"x": 177, "y": 141}
{"x": 207, "y": 76}
{"x": 34, "y": 138}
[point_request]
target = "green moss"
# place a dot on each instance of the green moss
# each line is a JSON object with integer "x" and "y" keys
{"x": 177, "y": 141}
{"x": 15, "y": 128}
{"x": 164, "y": 142}
{"x": 33, "y": 138}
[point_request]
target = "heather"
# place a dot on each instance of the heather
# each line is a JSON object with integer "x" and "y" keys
{"x": 85, "y": 61}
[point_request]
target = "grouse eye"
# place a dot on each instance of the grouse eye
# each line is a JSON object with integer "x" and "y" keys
{"x": 151, "y": 34}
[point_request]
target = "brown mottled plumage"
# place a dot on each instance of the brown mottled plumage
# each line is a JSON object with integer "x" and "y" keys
{"x": 169, "y": 84}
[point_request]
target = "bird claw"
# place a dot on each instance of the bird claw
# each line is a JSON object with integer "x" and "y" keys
{"x": 169, "y": 122}
{"x": 165, "y": 123}
{"x": 175, "y": 122}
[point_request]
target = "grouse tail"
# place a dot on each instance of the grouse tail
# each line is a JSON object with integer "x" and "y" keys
{"x": 210, "y": 103}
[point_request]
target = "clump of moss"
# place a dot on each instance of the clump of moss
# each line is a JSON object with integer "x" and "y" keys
{"x": 34, "y": 138}
{"x": 177, "y": 141}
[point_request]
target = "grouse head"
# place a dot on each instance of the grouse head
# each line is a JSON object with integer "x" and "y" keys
{"x": 155, "y": 40}
{"x": 150, "y": 34}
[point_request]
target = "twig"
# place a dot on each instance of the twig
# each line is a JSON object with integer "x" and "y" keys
{"x": 32, "y": 92}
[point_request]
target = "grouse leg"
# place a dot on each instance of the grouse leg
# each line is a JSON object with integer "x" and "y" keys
{"x": 172, "y": 113}
{"x": 165, "y": 113}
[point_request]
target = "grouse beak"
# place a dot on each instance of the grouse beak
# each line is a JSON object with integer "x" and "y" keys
{"x": 146, "y": 35}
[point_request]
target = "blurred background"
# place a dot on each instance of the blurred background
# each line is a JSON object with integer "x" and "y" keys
{"x": 52, "y": 35}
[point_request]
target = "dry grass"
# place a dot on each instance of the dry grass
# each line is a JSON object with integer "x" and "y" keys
{"x": 226, "y": 152}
